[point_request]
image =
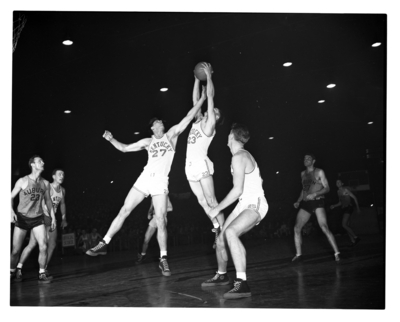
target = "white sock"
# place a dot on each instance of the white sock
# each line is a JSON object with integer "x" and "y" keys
{"x": 216, "y": 225}
{"x": 41, "y": 270}
{"x": 143, "y": 254}
{"x": 12, "y": 270}
{"x": 221, "y": 273}
{"x": 241, "y": 275}
{"x": 163, "y": 253}
{"x": 107, "y": 239}
{"x": 19, "y": 265}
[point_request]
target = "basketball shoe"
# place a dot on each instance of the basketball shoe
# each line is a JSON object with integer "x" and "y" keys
{"x": 100, "y": 249}
{"x": 164, "y": 266}
{"x": 217, "y": 280}
{"x": 240, "y": 289}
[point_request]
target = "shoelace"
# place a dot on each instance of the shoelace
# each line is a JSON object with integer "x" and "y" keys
{"x": 98, "y": 246}
{"x": 165, "y": 264}
{"x": 236, "y": 286}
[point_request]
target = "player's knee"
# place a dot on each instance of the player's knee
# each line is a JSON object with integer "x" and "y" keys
{"x": 297, "y": 229}
{"x": 52, "y": 243}
{"x": 324, "y": 228}
{"x": 42, "y": 247}
{"x": 230, "y": 234}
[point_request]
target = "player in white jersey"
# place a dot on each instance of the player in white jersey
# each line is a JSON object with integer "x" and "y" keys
{"x": 57, "y": 195}
{"x": 199, "y": 168}
{"x": 251, "y": 209}
{"x": 152, "y": 181}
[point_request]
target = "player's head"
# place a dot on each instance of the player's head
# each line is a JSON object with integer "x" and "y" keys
{"x": 218, "y": 115}
{"x": 239, "y": 133}
{"x": 36, "y": 162}
{"x": 58, "y": 175}
{"x": 339, "y": 183}
{"x": 156, "y": 125}
{"x": 309, "y": 159}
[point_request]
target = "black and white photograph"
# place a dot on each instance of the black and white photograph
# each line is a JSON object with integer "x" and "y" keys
{"x": 198, "y": 159}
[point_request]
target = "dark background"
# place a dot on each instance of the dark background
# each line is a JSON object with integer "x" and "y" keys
{"x": 110, "y": 79}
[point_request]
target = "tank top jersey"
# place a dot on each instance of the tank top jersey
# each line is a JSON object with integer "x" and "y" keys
{"x": 252, "y": 181}
{"x": 310, "y": 183}
{"x": 345, "y": 199}
{"x": 197, "y": 143}
{"x": 30, "y": 198}
{"x": 160, "y": 156}
{"x": 55, "y": 199}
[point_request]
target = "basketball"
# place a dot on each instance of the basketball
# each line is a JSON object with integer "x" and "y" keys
{"x": 199, "y": 72}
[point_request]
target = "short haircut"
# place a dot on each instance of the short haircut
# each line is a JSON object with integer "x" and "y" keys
{"x": 55, "y": 171}
{"x": 240, "y": 132}
{"x": 32, "y": 160}
{"x": 152, "y": 121}
{"x": 312, "y": 155}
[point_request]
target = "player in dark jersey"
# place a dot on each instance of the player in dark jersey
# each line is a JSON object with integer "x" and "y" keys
{"x": 57, "y": 195}
{"x": 152, "y": 181}
{"x": 32, "y": 189}
{"x": 311, "y": 200}
{"x": 345, "y": 196}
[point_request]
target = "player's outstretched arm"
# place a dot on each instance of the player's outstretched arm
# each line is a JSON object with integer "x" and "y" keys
{"x": 133, "y": 147}
{"x": 196, "y": 91}
{"x": 211, "y": 119}
{"x": 179, "y": 128}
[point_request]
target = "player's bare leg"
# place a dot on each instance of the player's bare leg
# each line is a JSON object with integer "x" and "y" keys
{"x": 160, "y": 212}
{"x": 301, "y": 219}
{"x": 321, "y": 217}
{"x": 133, "y": 198}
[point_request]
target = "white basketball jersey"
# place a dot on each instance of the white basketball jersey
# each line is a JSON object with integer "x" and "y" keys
{"x": 252, "y": 182}
{"x": 160, "y": 153}
{"x": 197, "y": 143}
{"x": 55, "y": 199}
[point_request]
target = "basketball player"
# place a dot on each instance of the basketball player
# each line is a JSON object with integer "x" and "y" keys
{"x": 57, "y": 195}
{"x": 345, "y": 196}
{"x": 151, "y": 230}
{"x": 152, "y": 181}
{"x": 311, "y": 200}
{"x": 199, "y": 168}
{"x": 32, "y": 189}
{"x": 250, "y": 210}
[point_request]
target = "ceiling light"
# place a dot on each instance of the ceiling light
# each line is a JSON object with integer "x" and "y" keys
{"x": 164, "y": 89}
{"x": 67, "y": 111}
{"x": 67, "y": 42}
{"x": 370, "y": 122}
{"x": 277, "y": 172}
{"x": 321, "y": 101}
{"x": 271, "y": 137}
{"x": 136, "y": 133}
{"x": 377, "y": 44}
{"x": 112, "y": 181}
{"x": 287, "y": 64}
{"x": 331, "y": 85}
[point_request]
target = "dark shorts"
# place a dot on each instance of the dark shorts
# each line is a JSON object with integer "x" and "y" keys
{"x": 47, "y": 221}
{"x": 28, "y": 223}
{"x": 312, "y": 205}
{"x": 347, "y": 210}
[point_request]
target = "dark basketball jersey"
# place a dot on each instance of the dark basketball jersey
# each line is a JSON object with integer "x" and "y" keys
{"x": 30, "y": 198}
{"x": 310, "y": 183}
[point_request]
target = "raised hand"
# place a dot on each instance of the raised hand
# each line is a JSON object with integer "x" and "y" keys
{"x": 108, "y": 136}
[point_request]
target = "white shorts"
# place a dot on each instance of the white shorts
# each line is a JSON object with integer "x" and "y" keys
{"x": 198, "y": 169}
{"x": 258, "y": 204}
{"x": 153, "y": 222}
{"x": 151, "y": 185}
